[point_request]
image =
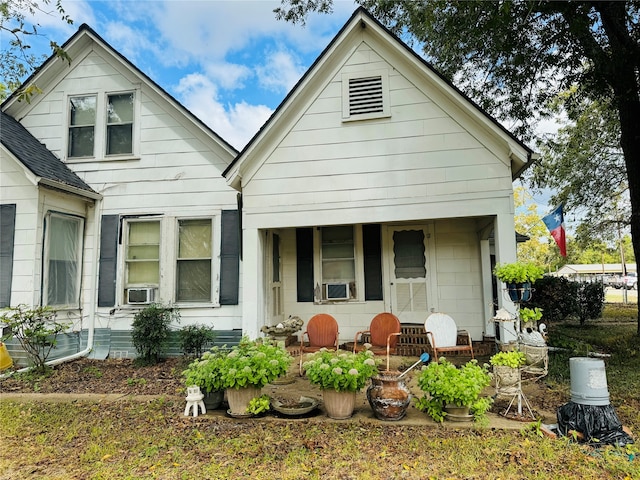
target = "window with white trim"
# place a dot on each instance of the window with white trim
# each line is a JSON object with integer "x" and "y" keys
{"x": 120, "y": 124}
{"x": 338, "y": 265}
{"x": 193, "y": 264}
{"x": 142, "y": 254}
{"x": 365, "y": 95}
{"x": 62, "y": 268}
{"x": 82, "y": 124}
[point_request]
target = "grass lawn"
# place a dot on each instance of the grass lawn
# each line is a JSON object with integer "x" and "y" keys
{"x": 134, "y": 440}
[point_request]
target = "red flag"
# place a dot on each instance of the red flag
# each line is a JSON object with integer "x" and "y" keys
{"x": 555, "y": 223}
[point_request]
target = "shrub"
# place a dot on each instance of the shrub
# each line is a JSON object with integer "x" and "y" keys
{"x": 194, "y": 339}
{"x": 589, "y": 301}
{"x": 36, "y": 329}
{"x": 556, "y": 296}
{"x": 150, "y": 332}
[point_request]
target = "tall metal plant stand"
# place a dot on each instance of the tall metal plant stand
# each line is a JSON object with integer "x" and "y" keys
{"x": 521, "y": 398}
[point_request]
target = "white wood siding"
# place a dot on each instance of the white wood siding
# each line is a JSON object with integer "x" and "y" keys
{"x": 420, "y": 155}
{"x": 175, "y": 169}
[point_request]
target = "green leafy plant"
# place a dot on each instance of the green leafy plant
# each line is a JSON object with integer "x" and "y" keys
{"x": 513, "y": 359}
{"x": 36, "y": 329}
{"x": 445, "y": 384}
{"x": 518, "y": 272}
{"x": 589, "y": 301}
{"x": 259, "y": 404}
{"x": 206, "y": 372}
{"x": 195, "y": 338}
{"x": 528, "y": 315}
{"x": 150, "y": 332}
{"x": 343, "y": 372}
{"x": 254, "y": 363}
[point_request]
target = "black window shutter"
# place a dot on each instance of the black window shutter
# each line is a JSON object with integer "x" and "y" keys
{"x": 304, "y": 264}
{"x": 7, "y": 235}
{"x": 372, "y": 249}
{"x": 109, "y": 225}
{"x": 230, "y": 258}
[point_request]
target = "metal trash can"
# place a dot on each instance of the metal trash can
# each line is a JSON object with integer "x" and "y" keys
{"x": 588, "y": 381}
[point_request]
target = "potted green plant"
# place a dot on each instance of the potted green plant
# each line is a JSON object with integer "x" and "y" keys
{"x": 206, "y": 373}
{"x": 530, "y": 316}
{"x": 340, "y": 376}
{"x": 506, "y": 370}
{"x": 248, "y": 367}
{"x": 454, "y": 393}
{"x": 518, "y": 277}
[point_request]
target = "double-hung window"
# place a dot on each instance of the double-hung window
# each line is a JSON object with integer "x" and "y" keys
{"x": 62, "y": 260}
{"x": 142, "y": 254}
{"x": 193, "y": 264}
{"x": 120, "y": 124}
{"x": 82, "y": 124}
{"x": 338, "y": 263}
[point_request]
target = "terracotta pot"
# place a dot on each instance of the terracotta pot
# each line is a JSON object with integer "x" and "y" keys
{"x": 339, "y": 405}
{"x": 239, "y": 399}
{"x": 388, "y": 396}
{"x": 213, "y": 400}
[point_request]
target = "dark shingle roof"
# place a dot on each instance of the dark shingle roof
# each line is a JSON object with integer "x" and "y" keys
{"x": 35, "y": 156}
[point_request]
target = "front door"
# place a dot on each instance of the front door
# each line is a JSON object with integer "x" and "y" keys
{"x": 274, "y": 279}
{"x": 410, "y": 273}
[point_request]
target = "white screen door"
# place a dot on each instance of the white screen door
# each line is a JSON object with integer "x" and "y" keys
{"x": 410, "y": 273}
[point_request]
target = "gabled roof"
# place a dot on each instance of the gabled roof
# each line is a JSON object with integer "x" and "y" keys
{"x": 49, "y": 69}
{"x": 38, "y": 159}
{"x": 361, "y": 18}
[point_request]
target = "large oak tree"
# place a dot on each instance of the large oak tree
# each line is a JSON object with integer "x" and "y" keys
{"x": 514, "y": 57}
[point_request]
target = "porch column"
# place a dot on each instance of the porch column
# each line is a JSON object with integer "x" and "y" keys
{"x": 505, "y": 244}
{"x": 252, "y": 295}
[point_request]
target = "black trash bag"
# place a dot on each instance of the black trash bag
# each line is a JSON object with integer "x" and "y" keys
{"x": 598, "y": 423}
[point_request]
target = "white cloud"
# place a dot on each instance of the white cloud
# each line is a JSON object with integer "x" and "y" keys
{"x": 280, "y": 72}
{"x": 235, "y": 123}
{"x": 228, "y": 75}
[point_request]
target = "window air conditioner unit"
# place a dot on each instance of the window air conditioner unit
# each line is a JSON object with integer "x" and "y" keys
{"x": 337, "y": 291}
{"x": 140, "y": 296}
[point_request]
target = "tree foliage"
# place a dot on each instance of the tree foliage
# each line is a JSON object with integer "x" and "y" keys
{"x": 514, "y": 57}
{"x": 16, "y": 59}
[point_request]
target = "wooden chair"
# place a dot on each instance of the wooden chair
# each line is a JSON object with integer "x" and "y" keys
{"x": 443, "y": 334}
{"x": 322, "y": 332}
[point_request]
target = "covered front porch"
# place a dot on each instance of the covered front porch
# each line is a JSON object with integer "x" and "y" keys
{"x": 355, "y": 271}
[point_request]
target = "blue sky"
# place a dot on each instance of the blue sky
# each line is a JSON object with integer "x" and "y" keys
{"x": 229, "y": 62}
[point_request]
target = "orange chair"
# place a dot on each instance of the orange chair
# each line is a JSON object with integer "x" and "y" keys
{"x": 443, "y": 334}
{"x": 322, "y": 332}
{"x": 384, "y": 331}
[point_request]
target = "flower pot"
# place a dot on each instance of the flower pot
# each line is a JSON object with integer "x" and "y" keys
{"x": 213, "y": 400}
{"x": 458, "y": 414}
{"x": 388, "y": 396}
{"x": 519, "y": 292}
{"x": 339, "y": 405}
{"x": 239, "y": 398}
{"x": 507, "y": 379}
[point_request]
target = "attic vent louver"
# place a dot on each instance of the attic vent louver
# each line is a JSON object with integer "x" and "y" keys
{"x": 365, "y": 95}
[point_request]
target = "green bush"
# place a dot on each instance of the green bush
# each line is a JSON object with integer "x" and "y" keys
{"x": 589, "y": 301}
{"x": 556, "y": 296}
{"x": 36, "y": 329}
{"x": 150, "y": 332}
{"x": 194, "y": 339}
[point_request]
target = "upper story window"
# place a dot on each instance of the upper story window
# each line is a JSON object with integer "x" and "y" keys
{"x": 120, "y": 124}
{"x": 102, "y": 125}
{"x": 365, "y": 95}
{"x": 62, "y": 260}
{"x": 82, "y": 124}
